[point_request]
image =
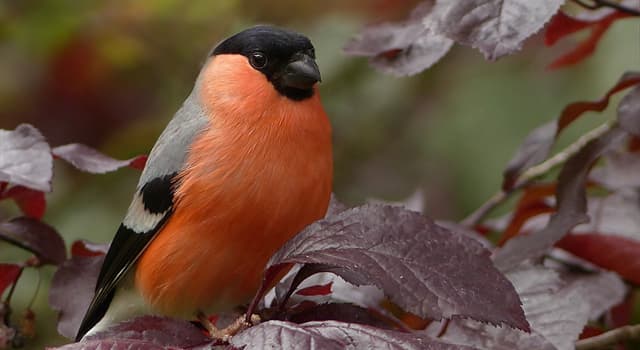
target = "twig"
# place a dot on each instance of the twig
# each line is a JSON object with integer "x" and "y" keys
{"x": 7, "y": 300}
{"x": 607, "y": 3}
{"x": 533, "y": 172}
{"x": 607, "y": 339}
{"x": 484, "y": 210}
{"x": 562, "y": 156}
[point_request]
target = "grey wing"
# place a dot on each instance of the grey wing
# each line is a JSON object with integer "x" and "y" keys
{"x": 170, "y": 151}
{"x": 150, "y": 208}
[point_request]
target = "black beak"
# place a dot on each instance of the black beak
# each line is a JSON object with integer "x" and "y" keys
{"x": 301, "y": 73}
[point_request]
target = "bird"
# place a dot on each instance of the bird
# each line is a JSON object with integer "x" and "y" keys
{"x": 242, "y": 166}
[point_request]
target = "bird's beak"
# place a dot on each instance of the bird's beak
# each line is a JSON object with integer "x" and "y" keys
{"x": 301, "y": 73}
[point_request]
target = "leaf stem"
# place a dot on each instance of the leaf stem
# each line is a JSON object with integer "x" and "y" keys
{"x": 607, "y": 3}
{"x": 7, "y": 300}
{"x": 607, "y": 339}
{"x": 533, "y": 172}
{"x": 35, "y": 294}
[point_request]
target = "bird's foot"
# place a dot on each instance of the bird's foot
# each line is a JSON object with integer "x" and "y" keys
{"x": 226, "y": 333}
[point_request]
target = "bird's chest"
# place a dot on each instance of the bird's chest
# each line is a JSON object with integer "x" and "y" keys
{"x": 244, "y": 192}
{"x": 279, "y": 178}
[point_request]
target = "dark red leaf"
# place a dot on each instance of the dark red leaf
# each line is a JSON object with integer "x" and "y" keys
{"x": 562, "y": 25}
{"x": 629, "y": 112}
{"x": 348, "y": 313}
{"x": 85, "y": 248}
{"x": 75, "y": 277}
{"x": 424, "y": 268}
{"x": 622, "y": 253}
{"x": 333, "y": 335}
{"x": 621, "y": 314}
{"x": 88, "y": 159}
{"x": 31, "y": 202}
{"x": 316, "y": 290}
{"x": 572, "y": 111}
{"x": 26, "y": 158}
{"x": 9, "y": 273}
{"x": 533, "y": 202}
{"x": 571, "y": 204}
{"x": 590, "y": 331}
{"x": 35, "y": 236}
{"x": 139, "y": 162}
{"x": 521, "y": 216}
{"x": 538, "y": 143}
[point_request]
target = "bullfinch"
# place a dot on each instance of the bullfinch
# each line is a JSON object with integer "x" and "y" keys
{"x": 244, "y": 165}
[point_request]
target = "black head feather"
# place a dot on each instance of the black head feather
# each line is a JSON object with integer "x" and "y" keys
{"x": 279, "y": 46}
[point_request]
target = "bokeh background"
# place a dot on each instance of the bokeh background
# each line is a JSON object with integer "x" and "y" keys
{"x": 110, "y": 74}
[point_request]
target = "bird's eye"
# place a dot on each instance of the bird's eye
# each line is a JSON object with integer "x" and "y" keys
{"x": 258, "y": 60}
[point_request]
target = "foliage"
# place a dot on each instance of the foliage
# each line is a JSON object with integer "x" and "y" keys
{"x": 381, "y": 276}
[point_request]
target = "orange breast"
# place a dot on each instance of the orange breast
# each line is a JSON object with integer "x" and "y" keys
{"x": 257, "y": 176}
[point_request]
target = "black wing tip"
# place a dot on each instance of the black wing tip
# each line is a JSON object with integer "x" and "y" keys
{"x": 95, "y": 312}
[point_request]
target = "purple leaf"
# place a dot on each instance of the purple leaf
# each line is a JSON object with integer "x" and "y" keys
{"x": 572, "y": 204}
{"x": 557, "y": 306}
{"x": 533, "y": 150}
{"x": 35, "y": 236}
{"x": 629, "y": 112}
{"x": 495, "y": 27}
{"x": 146, "y": 333}
{"x": 424, "y": 268}
{"x": 405, "y": 48}
{"x": 333, "y": 335}
{"x": 76, "y": 277}
{"x": 25, "y": 158}
{"x": 158, "y": 330}
{"x": 617, "y": 213}
{"x": 620, "y": 171}
{"x": 335, "y": 206}
{"x": 114, "y": 344}
{"x": 283, "y": 335}
{"x": 89, "y": 160}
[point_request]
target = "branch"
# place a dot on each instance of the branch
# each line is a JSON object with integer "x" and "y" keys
{"x": 562, "y": 156}
{"x": 607, "y": 3}
{"x": 607, "y": 339}
{"x": 533, "y": 172}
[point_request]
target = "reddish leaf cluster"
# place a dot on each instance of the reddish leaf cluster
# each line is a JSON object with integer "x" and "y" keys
{"x": 562, "y": 25}
{"x": 495, "y": 27}
{"x": 26, "y": 167}
{"x": 600, "y": 230}
{"x": 26, "y": 170}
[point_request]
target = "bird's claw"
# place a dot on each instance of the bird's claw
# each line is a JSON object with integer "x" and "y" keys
{"x": 225, "y": 334}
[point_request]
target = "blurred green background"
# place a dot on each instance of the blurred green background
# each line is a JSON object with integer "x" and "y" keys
{"x": 111, "y": 74}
